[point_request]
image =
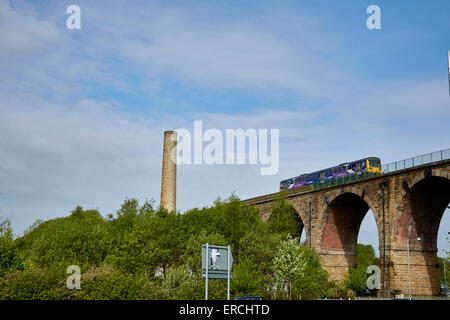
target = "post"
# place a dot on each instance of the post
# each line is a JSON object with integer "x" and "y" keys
{"x": 228, "y": 274}
{"x": 310, "y": 223}
{"x": 383, "y": 190}
{"x": 445, "y": 272}
{"x": 409, "y": 273}
{"x": 207, "y": 266}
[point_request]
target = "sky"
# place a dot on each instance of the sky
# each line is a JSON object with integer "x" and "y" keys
{"x": 83, "y": 111}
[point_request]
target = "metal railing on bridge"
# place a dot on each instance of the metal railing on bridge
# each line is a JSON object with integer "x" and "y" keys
{"x": 386, "y": 168}
{"x": 344, "y": 179}
{"x": 416, "y": 161}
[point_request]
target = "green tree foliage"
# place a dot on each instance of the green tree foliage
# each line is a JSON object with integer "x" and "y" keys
{"x": 444, "y": 265}
{"x": 76, "y": 239}
{"x": 356, "y": 279}
{"x": 236, "y": 220}
{"x": 261, "y": 247}
{"x": 247, "y": 278}
{"x": 298, "y": 273}
{"x": 366, "y": 255}
{"x": 143, "y": 253}
{"x": 313, "y": 282}
{"x": 9, "y": 255}
{"x": 288, "y": 264}
{"x": 30, "y": 284}
{"x": 108, "y": 283}
{"x": 284, "y": 219}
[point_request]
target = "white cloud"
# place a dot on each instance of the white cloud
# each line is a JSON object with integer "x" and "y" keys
{"x": 60, "y": 148}
{"x": 24, "y": 36}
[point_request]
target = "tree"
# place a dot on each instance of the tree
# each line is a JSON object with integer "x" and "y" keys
{"x": 247, "y": 279}
{"x": 314, "y": 281}
{"x": 261, "y": 247}
{"x": 297, "y": 271}
{"x": 76, "y": 239}
{"x": 357, "y": 277}
{"x": 236, "y": 220}
{"x": 288, "y": 264}
{"x": 444, "y": 265}
{"x": 9, "y": 255}
{"x": 284, "y": 219}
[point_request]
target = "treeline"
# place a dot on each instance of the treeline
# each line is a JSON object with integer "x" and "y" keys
{"x": 143, "y": 252}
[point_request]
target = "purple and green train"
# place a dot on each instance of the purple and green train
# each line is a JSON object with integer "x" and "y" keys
{"x": 370, "y": 164}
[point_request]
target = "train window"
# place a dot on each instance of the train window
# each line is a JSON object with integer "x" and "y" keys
{"x": 328, "y": 172}
{"x": 374, "y": 163}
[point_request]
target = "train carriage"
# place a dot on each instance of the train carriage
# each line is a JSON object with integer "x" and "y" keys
{"x": 370, "y": 164}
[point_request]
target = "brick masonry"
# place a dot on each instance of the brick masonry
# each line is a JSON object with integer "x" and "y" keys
{"x": 414, "y": 201}
{"x": 169, "y": 172}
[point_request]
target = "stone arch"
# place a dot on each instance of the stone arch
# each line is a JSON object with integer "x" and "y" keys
{"x": 418, "y": 216}
{"x": 340, "y": 223}
{"x": 265, "y": 210}
{"x": 420, "y": 212}
{"x": 302, "y": 208}
{"x": 269, "y": 210}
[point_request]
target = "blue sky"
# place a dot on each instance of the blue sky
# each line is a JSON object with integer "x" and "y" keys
{"x": 83, "y": 111}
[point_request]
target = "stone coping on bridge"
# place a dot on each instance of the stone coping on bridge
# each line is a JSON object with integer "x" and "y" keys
{"x": 309, "y": 189}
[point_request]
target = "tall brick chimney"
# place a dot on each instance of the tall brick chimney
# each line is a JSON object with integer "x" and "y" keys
{"x": 169, "y": 172}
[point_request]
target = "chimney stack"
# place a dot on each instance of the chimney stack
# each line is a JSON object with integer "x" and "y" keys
{"x": 169, "y": 172}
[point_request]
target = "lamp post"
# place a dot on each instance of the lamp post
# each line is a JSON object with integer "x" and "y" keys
{"x": 383, "y": 186}
{"x": 409, "y": 272}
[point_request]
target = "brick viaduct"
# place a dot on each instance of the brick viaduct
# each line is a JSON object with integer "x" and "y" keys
{"x": 414, "y": 199}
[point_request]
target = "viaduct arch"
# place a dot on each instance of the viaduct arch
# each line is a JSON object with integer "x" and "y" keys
{"x": 406, "y": 204}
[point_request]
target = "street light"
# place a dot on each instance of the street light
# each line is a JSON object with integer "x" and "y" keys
{"x": 409, "y": 272}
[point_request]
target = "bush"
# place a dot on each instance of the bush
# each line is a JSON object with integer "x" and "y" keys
{"x": 74, "y": 240}
{"x": 9, "y": 255}
{"x": 30, "y": 284}
{"x": 247, "y": 279}
{"x": 107, "y": 283}
{"x": 298, "y": 273}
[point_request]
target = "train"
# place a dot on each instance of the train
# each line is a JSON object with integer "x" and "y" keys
{"x": 369, "y": 164}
